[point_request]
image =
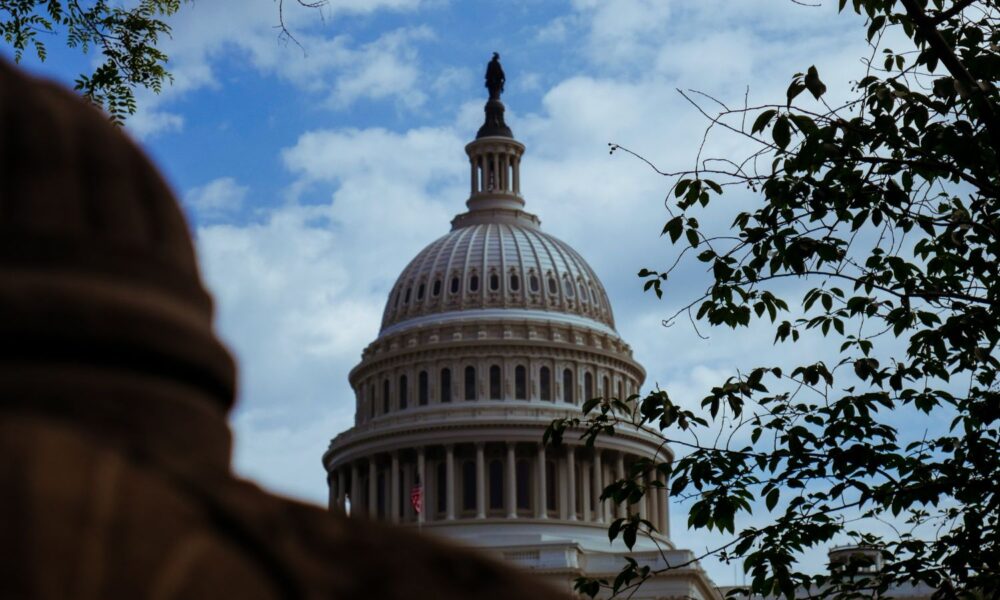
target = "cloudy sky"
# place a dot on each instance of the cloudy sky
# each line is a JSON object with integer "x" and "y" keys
{"x": 313, "y": 171}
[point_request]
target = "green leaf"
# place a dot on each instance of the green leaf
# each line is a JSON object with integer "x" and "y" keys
{"x": 816, "y": 87}
{"x": 762, "y": 120}
{"x": 782, "y": 132}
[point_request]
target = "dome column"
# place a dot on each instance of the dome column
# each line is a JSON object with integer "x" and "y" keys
{"x": 511, "y": 483}
{"x": 541, "y": 511}
{"x": 598, "y": 486}
{"x": 394, "y": 488}
{"x": 480, "y": 481}
{"x": 587, "y": 491}
{"x": 571, "y": 481}
{"x": 449, "y": 469}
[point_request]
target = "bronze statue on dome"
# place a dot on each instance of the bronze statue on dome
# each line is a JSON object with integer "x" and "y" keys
{"x": 495, "y": 77}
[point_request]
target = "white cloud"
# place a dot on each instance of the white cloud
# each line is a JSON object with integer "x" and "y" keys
{"x": 220, "y": 197}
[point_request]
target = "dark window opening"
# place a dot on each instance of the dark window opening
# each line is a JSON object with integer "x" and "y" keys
{"x": 495, "y": 391}
{"x": 420, "y": 292}
{"x": 454, "y": 285}
{"x": 406, "y": 300}
{"x": 583, "y": 293}
{"x": 545, "y": 383}
{"x": 494, "y": 282}
{"x": 588, "y": 386}
{"x": 568, "y": 287}
{"x": 423, "y": 394}
{"x": 533, "y": 282}
{"x": 385, "y": 396}
{"x": 523, "y": 476}
{"x": 520, "y": 383}
{"x": 550, "y": 485}
{"x": 399, "y": 294}
{"x": 380, "y": 494}
{"x": 553, "y": 287}
{"x": 607, "y": 388}
{"x": 468, "y": 485}
{"x": 436, "y": 290}
{"x": 515, "y": 283}
{"x": 403, "y": 389}
{"x": 496, "y": 484}
{"x": 568, "y": 386}
{"x": 371, "y": 400}
{"x": 445, "y": 385}
{"x": 470, "y": 383}
{"x": 474, "y": 283}
{"x": 442, "y": 487}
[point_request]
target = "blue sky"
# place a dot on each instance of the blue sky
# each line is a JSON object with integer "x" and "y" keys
{"x": 313, "y": 174}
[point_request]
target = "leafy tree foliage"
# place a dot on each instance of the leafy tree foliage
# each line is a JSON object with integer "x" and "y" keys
{"x": 127, "y": 35}
{"x": 880, "y": 224}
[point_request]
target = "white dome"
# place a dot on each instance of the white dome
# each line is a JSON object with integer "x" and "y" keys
{"x": 497, "y": 265}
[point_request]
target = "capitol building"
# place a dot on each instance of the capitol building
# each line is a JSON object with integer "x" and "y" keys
{"x": 490, "y": 333}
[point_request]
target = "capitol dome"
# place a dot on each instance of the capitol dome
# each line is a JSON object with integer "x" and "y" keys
{"x": 490, "y": 333}
{"x": 489, "y": 265}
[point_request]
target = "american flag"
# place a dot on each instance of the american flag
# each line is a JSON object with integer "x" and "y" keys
{"x": 417, "y": 498}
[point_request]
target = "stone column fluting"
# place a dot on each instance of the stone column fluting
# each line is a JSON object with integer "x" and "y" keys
{"x": 449, "y": 469}
{"x": 571, "y": 481}
{"x": 480, "y": 481}
{"x": 511, "y": 484}
{"x": 588, "y": 492}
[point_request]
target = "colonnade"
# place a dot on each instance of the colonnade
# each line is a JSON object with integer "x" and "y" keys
{"x": 495, "y": 480}
{"x": 504, "y": 167}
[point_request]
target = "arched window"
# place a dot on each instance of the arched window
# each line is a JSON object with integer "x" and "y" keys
{"x": 403, "y": 392}
{"x": 495, "y": 387}
{"x": 588, "y": 386}
{"x": 468, "y": 485}
{"x": 455, "y": 283}
{"x": 545, "y": 383}
{"x": 420, "y": 291}
{"x": 515, "y": 282}
{"x": 568, "y": 386}
{"x": 422, "y": 391}
{"x": 436, "y": 288}
{"x": 474, "y": 283}
{"x": 533, "y": 282}
{"x": 406, "y": 300}
{"x": 583, "y": 292}
{"x": 593, "y": 294}
{"x": 442, "y": 487}
{"x": 385, "y": 396}
{"x": 621, "y": 390}
{"x": 371, "y": 400}
{"x": 551, "y": 500}
{"x": 494, "y": 282}
{"x": 568, "y": 287}
{"x": 445, "y": 385}
{"x": 520, "y": 383}
{"x": 496, "y": 484}
{"x": 607, "y": 388}
{"x": 470, "y": 383}
{"x": 395, "y": 303}
{"x": 553, "y": 286}
{"x": 523, "y": 476}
